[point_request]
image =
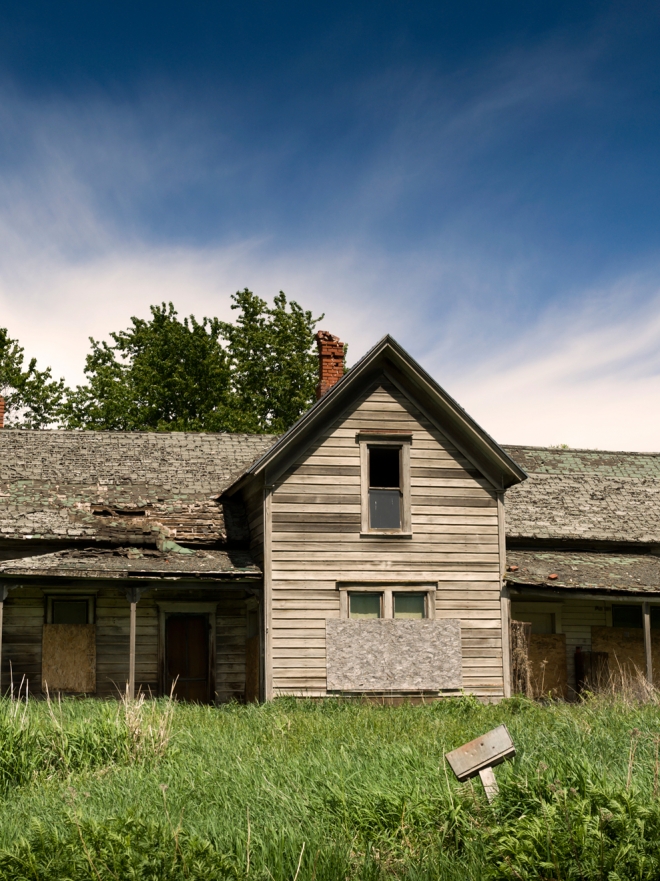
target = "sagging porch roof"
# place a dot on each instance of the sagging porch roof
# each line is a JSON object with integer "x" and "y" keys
{"x": 135, "y": 563}
{"x": 577, "y": 571}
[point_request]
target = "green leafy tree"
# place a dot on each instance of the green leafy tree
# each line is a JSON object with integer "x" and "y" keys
{"x": 33, "y": 399}
{"x": 274, "y": 370}
{"x": 159, "y": 375}
{"x": 164, "y": 374}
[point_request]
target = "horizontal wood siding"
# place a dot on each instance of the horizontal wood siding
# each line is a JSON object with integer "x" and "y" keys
{"x": 254, "y": 506}
{"x": 22, "y": 629}
{"x": 316, "y": 542}
{"x": 24, "y": 616}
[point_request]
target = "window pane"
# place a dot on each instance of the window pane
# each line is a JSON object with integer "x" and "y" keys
{"x": 384, "y": 509}
{"x": 384, "y": 467}
{"x": 626, "y": 616}
{"x": 69, "y": 611}
{"x": 364, "y": 605}
{"x": 409, "y": 605}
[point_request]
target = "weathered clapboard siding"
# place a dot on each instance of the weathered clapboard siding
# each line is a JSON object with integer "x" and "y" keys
{"x": 22, "y": 628}
{"x": 112, "y": 626}
{"x": 316, "y": 542}
{"x": 254, "y": 506}
{"x": 24, "y": 616}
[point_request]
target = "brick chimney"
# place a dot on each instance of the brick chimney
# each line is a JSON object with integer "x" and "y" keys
{"x": 2, "y": 412}
{"x": 331, "y": 361}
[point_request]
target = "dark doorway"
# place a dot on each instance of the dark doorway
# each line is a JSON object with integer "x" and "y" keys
{"x": 187, "y": 657}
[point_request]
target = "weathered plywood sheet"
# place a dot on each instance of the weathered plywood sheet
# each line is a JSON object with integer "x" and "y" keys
{"x": 69, "y": 658}
{"x": 547, "y": 657}
{"x": 393, "y": 655}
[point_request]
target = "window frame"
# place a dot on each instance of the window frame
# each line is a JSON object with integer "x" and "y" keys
{"x": 387, "y": 591}
{"x": 72, "y": 598}
{"x": 403, "y": 441}
{"x": 523, "y": 608}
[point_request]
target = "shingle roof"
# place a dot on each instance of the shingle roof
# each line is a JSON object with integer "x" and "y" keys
{"x": 585, "y": 495}
{"x": 134, "y": 563}
{"x": 624, "y": 573}
{"x": 120, "y": 487}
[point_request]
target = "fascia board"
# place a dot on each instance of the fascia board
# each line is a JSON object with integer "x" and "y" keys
{"x": 386, "y": 350}
{"x": 483, "y": 446}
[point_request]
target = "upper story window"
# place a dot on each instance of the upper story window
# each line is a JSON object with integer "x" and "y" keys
{"x": 385, "y": 478}
{"x": 384, "y": 487}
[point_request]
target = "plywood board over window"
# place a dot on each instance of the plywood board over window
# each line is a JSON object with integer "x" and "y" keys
{"x": 69, "y": 658}
{"x": 394, "y": 655}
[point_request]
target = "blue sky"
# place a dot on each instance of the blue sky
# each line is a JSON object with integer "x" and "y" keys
{"x": 480, "y": 180}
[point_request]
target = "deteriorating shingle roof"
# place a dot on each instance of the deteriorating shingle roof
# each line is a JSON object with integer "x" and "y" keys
{"x": 134, "y": 563}
{"x": 584, "y": 571}
{"x": 585, "y": 495}
{"x": 122, "y": 488}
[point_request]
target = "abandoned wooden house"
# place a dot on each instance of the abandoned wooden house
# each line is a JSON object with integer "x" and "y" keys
{"x": 363, "y": 552}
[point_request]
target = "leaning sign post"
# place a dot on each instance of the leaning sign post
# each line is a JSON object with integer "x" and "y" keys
{"x": 480, "y": 755}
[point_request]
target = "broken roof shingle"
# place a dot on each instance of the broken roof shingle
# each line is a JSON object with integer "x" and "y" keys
{"x": 121, "y": 487}
{"x": 585, "y": 495}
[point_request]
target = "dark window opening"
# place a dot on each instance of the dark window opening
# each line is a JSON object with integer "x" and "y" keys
{"x": 629, "y": 617}
{"x": 384, "y": 467}
{"x": 384, "y": 488}
{"x": 70, "y": 611}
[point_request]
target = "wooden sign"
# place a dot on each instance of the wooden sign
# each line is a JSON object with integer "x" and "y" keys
{"x": 479, "y": 757}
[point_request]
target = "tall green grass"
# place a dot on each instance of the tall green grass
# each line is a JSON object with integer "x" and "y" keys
{"x": 325, "y": 790}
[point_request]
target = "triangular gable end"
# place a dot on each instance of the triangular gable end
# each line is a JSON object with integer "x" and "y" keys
{"x": 387, "y": 358}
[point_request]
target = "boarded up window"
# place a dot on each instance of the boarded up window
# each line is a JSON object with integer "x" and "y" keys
{"x": 69, "y": 658}
{"x": 394, "y": 655}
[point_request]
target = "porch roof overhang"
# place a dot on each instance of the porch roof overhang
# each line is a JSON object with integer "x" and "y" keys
{"x": 577, "y": 572}
{"x": 135, "y": 564}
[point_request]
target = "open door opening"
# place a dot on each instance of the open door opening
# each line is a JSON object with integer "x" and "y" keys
{"x": 187, "y": 673}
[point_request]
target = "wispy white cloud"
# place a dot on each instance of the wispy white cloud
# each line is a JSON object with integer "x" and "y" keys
{"x": 77, "y": 257}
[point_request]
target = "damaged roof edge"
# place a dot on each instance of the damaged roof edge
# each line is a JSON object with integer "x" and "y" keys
{"x": 387, "y": 347}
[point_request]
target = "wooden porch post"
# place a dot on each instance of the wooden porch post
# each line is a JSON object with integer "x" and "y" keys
{"x": 646, "y": 611}
{"x": 133, "y": 596}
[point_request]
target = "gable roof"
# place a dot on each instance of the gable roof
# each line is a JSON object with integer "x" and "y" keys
{"x": 126, "y": 488}
{"x": 585, "y": 495}
{"x": 389, "y": 357}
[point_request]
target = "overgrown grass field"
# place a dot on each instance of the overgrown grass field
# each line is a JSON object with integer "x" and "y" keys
{"x": 301, "y": 790}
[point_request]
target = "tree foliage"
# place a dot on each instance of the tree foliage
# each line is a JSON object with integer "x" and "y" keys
{"x": 33, "y": 399}
{"x": 164, "y": 374}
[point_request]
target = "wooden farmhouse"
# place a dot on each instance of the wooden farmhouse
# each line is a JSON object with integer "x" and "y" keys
{"x": 364, "y": 552}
